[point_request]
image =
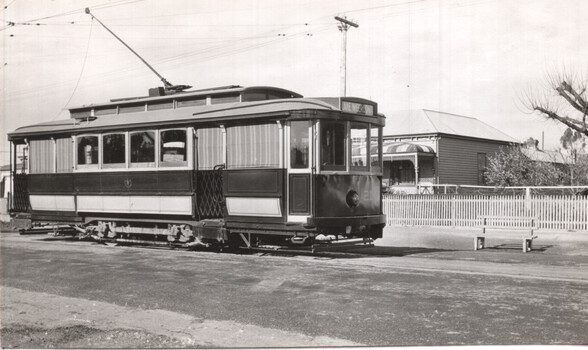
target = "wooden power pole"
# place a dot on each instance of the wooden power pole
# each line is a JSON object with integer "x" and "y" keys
{"x": 343, "y": 26}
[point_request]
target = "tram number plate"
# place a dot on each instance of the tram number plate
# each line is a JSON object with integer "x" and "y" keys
{"x": 357, "y": 108}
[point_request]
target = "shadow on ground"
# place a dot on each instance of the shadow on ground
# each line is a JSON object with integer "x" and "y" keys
{"x": 518, "y": 247}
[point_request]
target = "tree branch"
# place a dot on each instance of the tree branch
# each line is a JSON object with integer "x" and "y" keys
{"x": 566, "y": 91}
{"x": 570, "y": 122}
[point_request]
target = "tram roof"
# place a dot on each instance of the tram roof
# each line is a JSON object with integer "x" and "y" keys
{"x": 184, "y": 115}
{"x": 221, "y": 90}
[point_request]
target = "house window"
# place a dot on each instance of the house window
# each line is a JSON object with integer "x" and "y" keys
{"x": 173, "y": 147}
{"x": 402, "y": 173}
{"x": 143, "y": 149}
{"x": 113, "y": 150}
{"x": 87, "y": 149}
{"x": 299, "y": 144}
{"x": 482, "y": 163}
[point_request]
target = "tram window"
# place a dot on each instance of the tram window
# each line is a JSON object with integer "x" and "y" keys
{"x": 195, "y": 101}
{"x": 225, "y": 99}
{"x": 375, "y": 134}
{"x": 131, "y": 108}
{"x": 113, "y": 150}
{"x": 254, "y": 96}
{"x": 105, "y": 111}
{"x": 210, "y": 148}
{"x": 359, "y": 145}
{"x": 253, "y": 146}
{"x": 87, "y": 150}
{"x": 154, "y": 106}
{"x": 299, "y": 144}
{"x": 333, "y": 146}
{"x": 173, "y": 148}
{"x": 143, "y": 149}
{"x": 41, "y": 156}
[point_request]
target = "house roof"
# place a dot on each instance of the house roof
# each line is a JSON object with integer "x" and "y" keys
{"x": 424, "y": 121}
{"x": 543, "y": 156}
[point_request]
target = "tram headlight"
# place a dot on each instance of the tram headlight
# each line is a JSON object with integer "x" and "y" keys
{"x": 352, "y": 199}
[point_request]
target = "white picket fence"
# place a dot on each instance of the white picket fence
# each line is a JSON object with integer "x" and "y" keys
{"x": 552, "y": 212}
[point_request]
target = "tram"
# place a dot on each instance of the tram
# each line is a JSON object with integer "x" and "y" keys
{"x": 228, "y": 166}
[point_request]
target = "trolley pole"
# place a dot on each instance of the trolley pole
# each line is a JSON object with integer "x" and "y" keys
{"x": 343, "y": 26}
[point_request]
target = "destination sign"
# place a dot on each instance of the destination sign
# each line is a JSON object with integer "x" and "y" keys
{"x": 357, "y": 108}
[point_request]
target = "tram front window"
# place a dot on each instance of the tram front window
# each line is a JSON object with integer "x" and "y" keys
{"x": 333, "y": 145}
{"x": 376, "y": 160}
{"x": 359, "y": 145}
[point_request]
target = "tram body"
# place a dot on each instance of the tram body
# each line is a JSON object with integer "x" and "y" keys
{"x": 232, "y": 165}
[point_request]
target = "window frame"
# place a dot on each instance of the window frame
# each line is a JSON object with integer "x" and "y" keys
{"x": 379, "y": 168}
{"x": 173, "y": 164}
{"x": 144, "y": 165}
{"x": 367, "y": 156}
{"x": 309, "y": 124}
{"x": 330, "y": 167}
{"x": 122, "y": 165}
{"x": 230, "y": 143}
{"x": 92, "y": 166}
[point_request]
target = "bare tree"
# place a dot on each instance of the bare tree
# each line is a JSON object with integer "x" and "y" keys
{"x": 564, "y": 100}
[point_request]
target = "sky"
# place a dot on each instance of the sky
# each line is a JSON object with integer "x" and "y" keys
{"x": 468, "y": 57}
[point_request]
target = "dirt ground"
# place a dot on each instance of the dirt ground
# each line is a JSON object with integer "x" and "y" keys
{"x": 20, "y": 336}
{"x": 42, "y": 320}
{"x": 33, "y": 319}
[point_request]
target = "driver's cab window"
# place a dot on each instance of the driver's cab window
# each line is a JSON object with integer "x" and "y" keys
{"x": 333, "y": 141}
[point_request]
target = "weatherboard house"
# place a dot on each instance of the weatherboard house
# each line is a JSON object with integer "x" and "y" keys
{"x": 423, "y": 148}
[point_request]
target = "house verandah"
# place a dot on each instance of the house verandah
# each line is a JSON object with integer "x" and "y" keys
{"x": 408, "y": 168}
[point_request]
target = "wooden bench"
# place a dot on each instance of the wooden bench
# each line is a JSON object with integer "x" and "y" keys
{"x": 526, "y": 224}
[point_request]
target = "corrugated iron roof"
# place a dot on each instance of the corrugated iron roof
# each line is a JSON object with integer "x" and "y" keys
{"x": 543, "y": 156}
{"x": 424, "y": 121}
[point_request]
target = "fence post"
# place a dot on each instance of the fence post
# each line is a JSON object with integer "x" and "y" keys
{"x": 453, "y": 211}
{"x": 528, "y": 201}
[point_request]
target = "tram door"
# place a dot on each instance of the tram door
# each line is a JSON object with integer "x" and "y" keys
{"x": 19, "y": 196}
{"x": 209, "y": 166}
{"x": 299, "y": 165}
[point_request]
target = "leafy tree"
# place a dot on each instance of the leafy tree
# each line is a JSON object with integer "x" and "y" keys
{"x": 511, "y": 167}
{"x": 574, "y": 150}
{"x": 564, "y": 100}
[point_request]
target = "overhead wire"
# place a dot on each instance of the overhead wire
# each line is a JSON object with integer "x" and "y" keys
{"x": 96, "y": 7}
{"x": 6, "y": 6}
{"x": 81, "y": 71}
{"x": 225, "y": 48}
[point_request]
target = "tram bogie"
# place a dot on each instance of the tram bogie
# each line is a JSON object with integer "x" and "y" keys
{"x": 228, "y": 166}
